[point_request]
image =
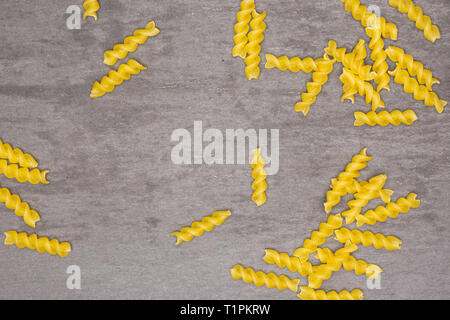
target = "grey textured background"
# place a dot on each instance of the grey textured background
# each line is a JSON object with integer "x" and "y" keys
{"x": 116, "y": 195}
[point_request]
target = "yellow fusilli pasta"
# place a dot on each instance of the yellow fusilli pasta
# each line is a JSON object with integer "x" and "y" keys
{"x": 259, "y": 176}
{"x": 294, "y": 64}
{"x": 368, "y": 238}
{"x": 253, "y": 47}
{"x": 260, "y": 278}
{"x": 372, "y": 190}
{"x": 345, "y": 181}
{"x": 199, "y": 227}
{"x": 308, "y": 293}
{"x": 91, "y": 7}
{"x": 415, "y": 13}
{"x": 16, "y": 156}
{"x": 42, "y": 245}
{"x": 415, "y": 68}
{"x": 385, "y": 118}
{"x": 353, "y": 61}
{"x": 420, "y": 92}
{"x": 360, "y": 13}
{"x": 12, "y": 171}
{"x": 318, "y": 237}
{"x": 242, "y": 27}
{"x": 21, "y": 208}
{"x": 391, "y": 210}
{"x": 130, "y": 44}
{"x": 284, "y": 260}
{"x": 354, "y": 84}
{"x": 115, "y": 78}
{"x": 319, "y": 78}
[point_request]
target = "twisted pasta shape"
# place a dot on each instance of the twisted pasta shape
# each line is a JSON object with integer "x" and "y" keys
{"x": 253, "y": 47}
{"x": 308, "y": 293}
{"x": 130, "y": 44}
{"x": 115, "y": 78}
{"x": 360, "y": 50}
{"x": 354, "y": 84}
{"x": 319, "y": 78}
{"x": 368, "y": 238}
{"x": 241, "y": 28}
{"x": 391, "y": 210}
{"x": 385, "y": 118}
{"x": 12, "y": 171}
{"x": 16, "y": 156}
{"x": 353, "y": 61}
{"x": 199, "y": 227}
{"x": 284, "y": 260}
{"x": 42, "y": 245}
{"x": 294, "y": 64}
{"x": 415, "y": 13}
{"x": 345, "y": 181}
{"x": 21, "y": 208}
{"x": 260, "y": 278}
{"x": 420, "y": 92}
{"x": 91, "y": 7}
{"x": 359, "y": 13}
{"x": 378, "y": 57}
{"x": 318, "y": 237}
{"x": 259, "y": 175}
{"x": 372, "y": 190}
{"x": 349, "y": 262}
{"x": 415, "y": 68}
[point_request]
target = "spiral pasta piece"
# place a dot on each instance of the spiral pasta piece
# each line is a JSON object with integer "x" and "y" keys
{"x": 253, "y": 47}
{"x": 385, "y": 118}
{"x": 378, "y": 57}
{"x": 242, "y": 27}
{"x": 345, "y": 181}
{"x": 199, "y": 227}
{"x": 115, "y": 78}
{"x": 284, "y": 260}
{"x": 294, "y": 64}
{"x": 374, "y": 189}
{"x": 415, "y": 13}
{"x": 420, "y": 92}
{"x": 318, "y": 237}
{"x": 415, "y": 68}
{"x": 391, "y": 210}
{"x": 353, "y": 61}
{"x": 259, "y": 175}
{"x": 368, "y": 238}
{"x": 360, "y": 13}
{"x": 12, "y": 171}
{"x": 354, "y": 84}
{"x": 16, "y": 156}
{"x": 42, "y": 245}
{"x": 130, "y": 44}
{"x": 319, "y": 78}
{"x": 308, "y": 293}
{"x": 349, "y": 262}
{"x": 91, "y": 7}
{"x": 21, "y": 208}
{"x": 259, "y": 278}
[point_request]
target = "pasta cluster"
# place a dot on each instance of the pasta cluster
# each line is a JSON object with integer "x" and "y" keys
{"x": 249, "y": 34}
{"x": 368, "y": 80}
{"x": 125, "y": 70}
{"x": 15, "y": 164}
{"x": 343, "y": 258}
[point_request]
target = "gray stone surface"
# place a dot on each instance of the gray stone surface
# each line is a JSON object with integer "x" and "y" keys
{"x": 116, "y": 195}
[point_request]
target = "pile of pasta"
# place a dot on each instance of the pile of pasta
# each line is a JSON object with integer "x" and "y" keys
{"x": 125, "y": 70}
{"x": 15, "y": 164}
{"x": 357, "y": 77}
{"x": 363, "y": 192}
